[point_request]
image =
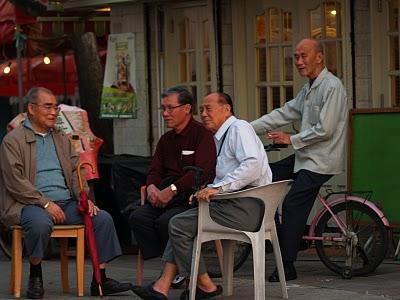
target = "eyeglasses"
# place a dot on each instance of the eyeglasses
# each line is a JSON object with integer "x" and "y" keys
{"x": 48, "y": 107}
{"x": 169, "y": 109}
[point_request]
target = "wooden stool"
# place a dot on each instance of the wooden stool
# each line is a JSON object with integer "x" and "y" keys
{"x": 63, "y": 232}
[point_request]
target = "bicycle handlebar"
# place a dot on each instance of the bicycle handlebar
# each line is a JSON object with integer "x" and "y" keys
{"x": 275, "y": 147}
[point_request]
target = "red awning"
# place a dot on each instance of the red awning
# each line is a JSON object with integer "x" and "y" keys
{"x": 37, "y": 73}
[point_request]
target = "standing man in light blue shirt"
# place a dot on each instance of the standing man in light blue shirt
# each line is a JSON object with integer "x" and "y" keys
{"x": 241, "y": 162}
{"x": 321, "y": 107}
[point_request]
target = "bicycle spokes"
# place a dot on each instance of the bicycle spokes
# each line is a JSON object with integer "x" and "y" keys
{"x": 358, "y": 249}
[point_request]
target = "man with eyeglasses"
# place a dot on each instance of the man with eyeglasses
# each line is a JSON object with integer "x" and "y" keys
{"x": 169, "y": 187}
{"x": 39, "y": 189}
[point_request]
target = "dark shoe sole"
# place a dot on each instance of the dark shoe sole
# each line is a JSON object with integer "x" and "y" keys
{"x": 34, "y": 296}
{"x": 200, "y": 294}
{"x": 288, "y": 277}
{"x": 148, "y": 293}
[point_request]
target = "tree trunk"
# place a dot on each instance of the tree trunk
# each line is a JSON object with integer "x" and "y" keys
{"x": 90, "y": 75}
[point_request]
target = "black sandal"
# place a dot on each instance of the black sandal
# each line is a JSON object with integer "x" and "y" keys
{"x": 200, "y": 294}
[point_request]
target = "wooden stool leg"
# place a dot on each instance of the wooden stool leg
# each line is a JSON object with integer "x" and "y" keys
{"x": 139, "y": 269}
{"x": 64, "y": 264}
{"x": 80, "y": 260}
{"x": 16, "y": 263}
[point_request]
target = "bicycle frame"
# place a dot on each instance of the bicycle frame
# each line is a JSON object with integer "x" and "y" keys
{"x": 327, "y": 207}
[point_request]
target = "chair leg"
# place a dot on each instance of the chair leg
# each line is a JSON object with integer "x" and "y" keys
{"x": 16, "y": 263}
{"x": 258, "y": 245}
{"x": 64, "y": 264}
{"x": 139, "y": 269}
{"x": 279, "y": 263}
{"x": 227, "y": 272}
{"x": 195, "y": 268}
{"x": 80, "y": 260}
{"x": 220, "y": 253}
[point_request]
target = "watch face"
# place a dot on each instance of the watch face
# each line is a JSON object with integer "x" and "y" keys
{"x": 173, "y": 188}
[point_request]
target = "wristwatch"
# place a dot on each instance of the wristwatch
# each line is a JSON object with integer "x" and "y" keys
{"x": 173, "y": 188}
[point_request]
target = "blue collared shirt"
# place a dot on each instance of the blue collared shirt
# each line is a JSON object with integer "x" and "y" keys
{"x": 242, "y": 160}
{"x": 49, "y": 174}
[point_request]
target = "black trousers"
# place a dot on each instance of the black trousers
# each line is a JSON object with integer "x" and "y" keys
{"x": 150, "y": 227}
{"x": 297, "y": 204}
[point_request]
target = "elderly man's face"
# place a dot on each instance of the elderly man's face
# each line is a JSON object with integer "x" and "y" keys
{"x": 175, "y": 114}
{"x": 213, "y": 113}
{"x": 43, "y": 112}
{"x": 307, "y": 59}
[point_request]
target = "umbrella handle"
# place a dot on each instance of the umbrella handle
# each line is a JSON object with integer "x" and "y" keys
{"x": 80, "y": 174}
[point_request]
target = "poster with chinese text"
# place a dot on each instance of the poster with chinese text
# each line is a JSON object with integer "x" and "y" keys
{"x": 118, "y": 99}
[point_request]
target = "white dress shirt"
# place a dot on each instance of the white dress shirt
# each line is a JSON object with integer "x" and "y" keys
{"x": 242, "y": 160}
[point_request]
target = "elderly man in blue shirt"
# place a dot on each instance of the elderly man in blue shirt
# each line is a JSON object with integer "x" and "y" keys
{"x": 241, "y": 162}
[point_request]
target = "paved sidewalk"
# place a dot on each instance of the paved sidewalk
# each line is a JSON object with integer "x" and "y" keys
{"x": 315, "y": 281}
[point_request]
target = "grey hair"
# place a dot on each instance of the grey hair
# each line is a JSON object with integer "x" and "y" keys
{"x": 33, "y": 93}
{"x": 184, "y": 96}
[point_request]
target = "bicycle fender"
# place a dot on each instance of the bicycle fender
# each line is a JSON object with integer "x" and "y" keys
{"x": 338, "y": 200}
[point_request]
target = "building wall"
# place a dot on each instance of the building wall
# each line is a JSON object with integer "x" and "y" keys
{"x": 226, "y": 47}
{"x": 131, "y": 135}
{"x": 362, "y": 54}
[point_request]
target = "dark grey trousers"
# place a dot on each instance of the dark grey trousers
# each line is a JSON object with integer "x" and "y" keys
{"x": 38, "y": 225}
{"x": 242, "y": 214}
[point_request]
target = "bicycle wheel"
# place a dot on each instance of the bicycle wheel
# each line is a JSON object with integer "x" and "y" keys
{"x": 371, "y": 233}
{"x": 209, "y": 253}
{"x": 6, "y": 241}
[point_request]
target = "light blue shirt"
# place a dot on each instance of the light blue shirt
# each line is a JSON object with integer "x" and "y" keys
{"x": 323, "y": 112}
{"x": 242, "y": 160}
{"x": 49, "y": 175}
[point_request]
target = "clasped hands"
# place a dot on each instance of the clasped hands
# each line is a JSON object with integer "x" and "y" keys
{"x": 159, "y": 198}
{"x": 58, "y": 214}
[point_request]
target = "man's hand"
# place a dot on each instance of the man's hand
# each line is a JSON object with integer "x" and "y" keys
{"x": 206, "y": 194}
{"x": 152, "y": 194}
{"x": 93, "y": 209}
{"x": 56, "y": 213}
{"x": 164, "y": 197}
{"x": 279, "y": 137}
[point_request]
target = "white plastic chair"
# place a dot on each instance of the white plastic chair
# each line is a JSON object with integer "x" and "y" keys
{"x": 272, "y": 195}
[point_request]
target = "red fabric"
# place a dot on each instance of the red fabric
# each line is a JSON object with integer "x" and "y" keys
{"x": 7, "y": 32}
{"x": 36, "y": 73}
{"x": 9, "y": 16}
{"x": 83, "y": 206}
{"x": 8, "y": 12}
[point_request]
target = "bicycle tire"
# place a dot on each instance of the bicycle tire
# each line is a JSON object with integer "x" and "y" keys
{"x": 209, "y": 254}
{"x": 372, "y": 237}
{"x": 6, "y": 241}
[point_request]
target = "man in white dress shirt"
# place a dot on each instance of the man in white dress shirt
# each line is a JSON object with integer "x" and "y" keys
{"x": 241, "y": 162}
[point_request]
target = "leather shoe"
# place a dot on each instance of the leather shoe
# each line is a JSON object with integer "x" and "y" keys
{"x": 147, "y": 292}
{"x": 290, "y": 274}
{"x": 109, "y": 286}
{"x": 35, "y": 287}
{"x": 200, "y": 294}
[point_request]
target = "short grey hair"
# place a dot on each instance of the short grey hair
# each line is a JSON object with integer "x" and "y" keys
{"x": 33, "y": 93}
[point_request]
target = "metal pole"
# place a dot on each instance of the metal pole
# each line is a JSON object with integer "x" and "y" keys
{"x": 64, "y": 69}
{"x": 19, "y": 45}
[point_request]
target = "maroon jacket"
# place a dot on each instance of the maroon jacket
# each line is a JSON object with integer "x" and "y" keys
{"x": 194, "y": 146}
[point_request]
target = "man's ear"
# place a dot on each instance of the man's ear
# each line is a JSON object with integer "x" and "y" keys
{"x": 29, "y": 108}
{"x": 320, "y": 57}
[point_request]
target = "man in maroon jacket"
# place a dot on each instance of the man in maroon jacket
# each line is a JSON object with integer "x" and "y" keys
{"x": 189, "y": 143}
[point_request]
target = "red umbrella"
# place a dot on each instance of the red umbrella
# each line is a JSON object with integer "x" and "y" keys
{"x": 83, "y": 207}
